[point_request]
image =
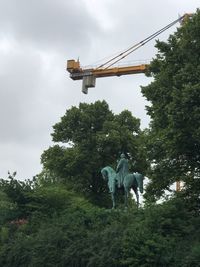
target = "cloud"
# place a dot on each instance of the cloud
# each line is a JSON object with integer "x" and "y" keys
{"x": 47, "y": 23}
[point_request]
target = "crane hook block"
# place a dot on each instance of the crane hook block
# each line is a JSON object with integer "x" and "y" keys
{"x": 88, "y": 82}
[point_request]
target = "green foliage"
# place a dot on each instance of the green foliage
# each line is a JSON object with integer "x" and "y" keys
{"x": 14, "y": 197}
{"x": 8, "y": 209}
{"x": 52, "y": 200}
{"x": 76, "y": 233}
{"x": 174, "y": 137}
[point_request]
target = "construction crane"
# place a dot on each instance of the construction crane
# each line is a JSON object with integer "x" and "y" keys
{"x": 89, "y": 75}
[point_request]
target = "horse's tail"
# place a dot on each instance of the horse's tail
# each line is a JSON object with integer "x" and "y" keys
{"x": 139, "y": 178}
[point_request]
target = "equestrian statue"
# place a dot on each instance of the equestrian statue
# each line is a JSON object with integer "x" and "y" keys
{"x": 122, "y": 178}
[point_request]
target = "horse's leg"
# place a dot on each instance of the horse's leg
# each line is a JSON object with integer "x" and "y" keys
{"x": 113, "y": 200}
{"x": 126, "y": 192}
{"x": 137, "y": 196}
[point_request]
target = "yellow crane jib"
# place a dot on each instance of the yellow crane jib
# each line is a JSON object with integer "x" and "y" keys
{"x": 89, "y": 75}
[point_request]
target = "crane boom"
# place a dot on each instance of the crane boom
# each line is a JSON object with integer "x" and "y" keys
{"x": 77, "y": 73}
{"x": 89, "y": 75}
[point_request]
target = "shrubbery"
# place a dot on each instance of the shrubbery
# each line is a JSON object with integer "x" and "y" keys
{"x": 63, "y": 229}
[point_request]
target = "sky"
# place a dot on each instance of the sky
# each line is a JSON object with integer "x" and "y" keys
{"x": 37, "y": 37}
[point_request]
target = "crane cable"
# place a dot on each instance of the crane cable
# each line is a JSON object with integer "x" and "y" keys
{"x": 138, "y": 45}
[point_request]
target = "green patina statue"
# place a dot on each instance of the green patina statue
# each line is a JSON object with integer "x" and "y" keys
{"x": 123, "y": 179}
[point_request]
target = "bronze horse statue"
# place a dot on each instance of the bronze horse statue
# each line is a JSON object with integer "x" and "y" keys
{"x": 130, "y": 181}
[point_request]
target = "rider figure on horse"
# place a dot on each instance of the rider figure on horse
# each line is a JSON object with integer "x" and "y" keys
{"x": 122, "y": 169}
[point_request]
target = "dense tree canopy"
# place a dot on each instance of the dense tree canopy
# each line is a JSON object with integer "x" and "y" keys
{"x": 174, "y": 135}
{"x": 53, "y": 226}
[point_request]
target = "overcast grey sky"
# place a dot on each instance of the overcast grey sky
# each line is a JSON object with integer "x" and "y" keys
{"x": 36, "y": 39}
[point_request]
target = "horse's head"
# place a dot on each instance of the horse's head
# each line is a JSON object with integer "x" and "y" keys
{"x": 104, "y": 173}
{"x": 108, "y": 172}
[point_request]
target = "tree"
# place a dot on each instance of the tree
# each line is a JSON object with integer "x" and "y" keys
{"x": 17, "y": 193}
{"x": 92, "y": 138}
{"x": 174, "y": 136}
